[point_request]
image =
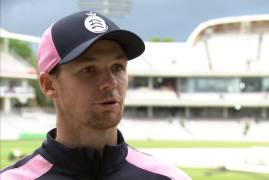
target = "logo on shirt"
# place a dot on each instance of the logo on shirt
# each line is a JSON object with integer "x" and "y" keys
{"x": 95, "y": 23}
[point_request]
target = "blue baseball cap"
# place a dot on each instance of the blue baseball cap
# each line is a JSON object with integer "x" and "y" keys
{"x": 72, "y": 35}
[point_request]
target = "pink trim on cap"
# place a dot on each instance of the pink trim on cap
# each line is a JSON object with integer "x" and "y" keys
{"x": 153, "y": 165}
{"x": 48, "y": 56}
{"x": 33, "y": 169}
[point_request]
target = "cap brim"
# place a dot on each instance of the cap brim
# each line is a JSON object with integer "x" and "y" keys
{"x": 132, "y": 45}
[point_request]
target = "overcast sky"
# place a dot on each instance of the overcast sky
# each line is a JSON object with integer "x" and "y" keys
{"x": 148, "y": 18}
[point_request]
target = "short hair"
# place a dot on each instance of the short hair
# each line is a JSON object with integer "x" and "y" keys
{"x": 55, "y": 71}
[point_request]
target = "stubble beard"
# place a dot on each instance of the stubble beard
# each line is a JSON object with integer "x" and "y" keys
{"x": 103, "y": 120}
{"x": 106, "y": 119}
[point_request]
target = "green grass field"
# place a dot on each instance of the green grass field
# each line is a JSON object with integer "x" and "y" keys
{"x": 27, "y": 146}
{"x": 196, "y": 144}
{"x": 219, "y": 174}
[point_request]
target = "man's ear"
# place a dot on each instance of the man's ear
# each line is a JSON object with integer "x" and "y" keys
{"x": 47, "y": 84}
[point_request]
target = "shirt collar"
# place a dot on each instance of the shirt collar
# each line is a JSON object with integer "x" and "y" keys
{"x": 85, "y": 161}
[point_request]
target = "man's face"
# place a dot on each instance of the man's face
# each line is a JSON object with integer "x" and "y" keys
{"x": 91, "y": 89}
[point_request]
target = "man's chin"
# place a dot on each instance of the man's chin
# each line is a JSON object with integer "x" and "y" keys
{"x": 104, "y": 121}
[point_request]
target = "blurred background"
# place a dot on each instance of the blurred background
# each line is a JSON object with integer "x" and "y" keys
{"x": 198, "y": 97}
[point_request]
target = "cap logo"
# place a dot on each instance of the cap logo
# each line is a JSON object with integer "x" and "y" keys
{"x": 95, "y": 23}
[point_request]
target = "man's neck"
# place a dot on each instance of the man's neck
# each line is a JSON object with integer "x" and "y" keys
{"x": 86, "y": 137}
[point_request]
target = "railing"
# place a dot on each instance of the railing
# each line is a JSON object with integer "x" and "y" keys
{"x": 16, "y": 91}
{"x": 164, "y": 98}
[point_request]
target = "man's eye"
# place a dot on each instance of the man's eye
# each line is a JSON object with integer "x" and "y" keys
{"x": 118, "y": 67}
{"x": 88, "y": 70}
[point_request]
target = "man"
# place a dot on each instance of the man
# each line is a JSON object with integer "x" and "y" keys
{"x": 82, "y": 60}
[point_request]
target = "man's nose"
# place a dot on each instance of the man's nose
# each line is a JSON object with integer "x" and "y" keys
{"x": 108, "y": 81}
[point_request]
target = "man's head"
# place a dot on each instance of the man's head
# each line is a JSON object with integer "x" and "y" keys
{"x": 82, "y": 63}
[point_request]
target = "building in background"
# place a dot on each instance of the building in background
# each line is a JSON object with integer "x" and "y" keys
{"x": 219, "y": 76}
{"x": 15, "y": 89}
{"x": 15, "y": 74}
{"x": 221, "y": 72}
{"x": 115, "y": 8}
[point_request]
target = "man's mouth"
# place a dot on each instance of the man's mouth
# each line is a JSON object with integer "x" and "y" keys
{"x": 109, "y": 104}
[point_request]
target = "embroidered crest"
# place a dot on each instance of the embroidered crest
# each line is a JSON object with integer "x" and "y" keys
{"x": 95, "y": 23}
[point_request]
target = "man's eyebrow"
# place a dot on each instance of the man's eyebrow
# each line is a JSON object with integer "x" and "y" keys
{"x": 121, "y": 56}
{"x": 84, "y": 59}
